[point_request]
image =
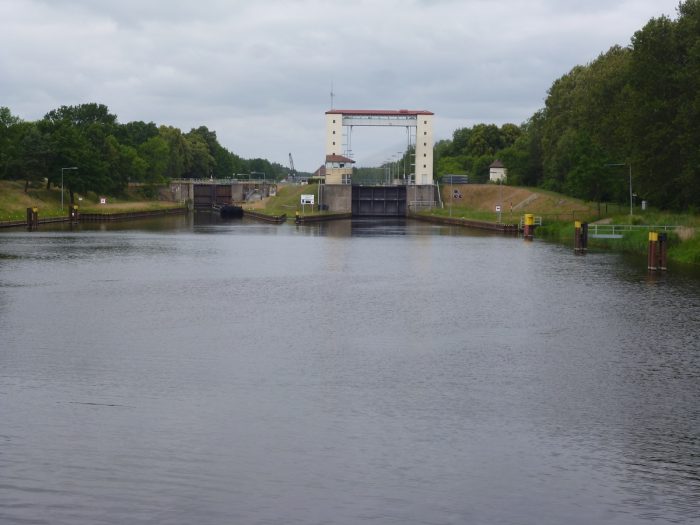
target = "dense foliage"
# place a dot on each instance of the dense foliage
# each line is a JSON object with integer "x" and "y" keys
{"x": 472, "y": 150}
{"x": 636, "y": 106}
{"x": 109, "y": 155}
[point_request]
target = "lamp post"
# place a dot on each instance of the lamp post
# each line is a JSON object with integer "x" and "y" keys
{"x": 62, "y": 170}
{"x": 398, "y": 164}
{"x": 630, "y": 177}
{"x": 452, "y": 194}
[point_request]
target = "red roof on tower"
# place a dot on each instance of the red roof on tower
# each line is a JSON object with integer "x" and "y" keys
{"x": 378, "y": 112}
{"x": 338, "y": 158}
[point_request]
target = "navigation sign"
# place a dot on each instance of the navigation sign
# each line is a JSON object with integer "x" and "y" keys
{"x": 307, "y": 199}
{"x": 498, "y": 208}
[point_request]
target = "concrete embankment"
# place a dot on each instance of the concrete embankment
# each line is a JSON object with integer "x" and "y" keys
{"x": 306, "y": 219}
{"x": 468, "y": 223}
{"x": 98, "y": 217}
{"x": 121, "y": 216}
{"x": 275, "y": 219}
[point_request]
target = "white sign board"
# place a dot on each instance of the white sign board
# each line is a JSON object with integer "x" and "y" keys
{"x": 103, "y": 200}
{"x": 307, "y": 199}
{"x": 498, "y": 209}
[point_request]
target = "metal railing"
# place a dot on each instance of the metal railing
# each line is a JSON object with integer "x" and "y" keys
{"x": 538, "y": 221}
{"x": 222, "y": 181}
{"x": 421, "y": 205}
{"x": 616, "y": 231}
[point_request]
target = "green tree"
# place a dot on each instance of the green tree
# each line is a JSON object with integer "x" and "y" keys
{"x": 156, "y": 155}
{"x": 9, "y": 130}
{"x": 201, "y": 161}
{"x": 136, "y": 133}
{"x": 179, "y": 156}
{"x": 665, "y": 72}
{"x": 83, "y": 115}
{"x": 524, "y": 157}
{"x": 34, "y": 154}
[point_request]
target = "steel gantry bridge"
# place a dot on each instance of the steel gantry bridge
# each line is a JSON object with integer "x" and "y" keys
{"x": 419, "y": 123}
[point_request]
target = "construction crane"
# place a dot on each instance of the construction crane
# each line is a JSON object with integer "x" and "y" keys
{"x": 292, "y": 170}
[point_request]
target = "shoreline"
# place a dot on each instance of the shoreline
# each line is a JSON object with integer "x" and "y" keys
{"x": 99, "y": 217}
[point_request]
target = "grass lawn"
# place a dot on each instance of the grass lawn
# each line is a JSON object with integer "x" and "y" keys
{"x": 14, "y": 202}
{"x": 287, "y": 201}
{"x": 684, "y": 242}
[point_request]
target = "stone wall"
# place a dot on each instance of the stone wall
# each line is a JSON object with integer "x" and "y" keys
{"x": 338, "y": 197}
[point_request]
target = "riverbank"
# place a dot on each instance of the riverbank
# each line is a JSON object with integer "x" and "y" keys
{"x": 468, "y": 205}
{"x": 14, "y": 202}
{"x": 479, "y": 202}
{"x": 683, "y": 241}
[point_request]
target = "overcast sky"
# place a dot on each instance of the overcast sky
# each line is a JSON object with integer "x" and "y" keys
{"x": 259, "y": 72}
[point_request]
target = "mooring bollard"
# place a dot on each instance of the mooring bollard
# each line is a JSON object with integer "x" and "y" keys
{"x": 32, "y": 219}
{"x": 528, "y": 226}
{"x": 73, "y": 214}
{"x": 652, "y": 253}
{"x": 658, "y": 245}
{"x": 662, "y": 251}
{"x": 580, "y": 237}
{"x": 296, "y": 217}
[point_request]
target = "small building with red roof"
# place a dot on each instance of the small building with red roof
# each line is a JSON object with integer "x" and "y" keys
{"x": 338, "y": 169}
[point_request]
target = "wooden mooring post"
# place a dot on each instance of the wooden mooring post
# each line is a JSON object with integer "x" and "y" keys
{"x": 656, "y": 255}
{"x": 528, "y": 226}
{"x": 580, "y": 237}
{"x": 32, "y": 219}
{"x": 73, "y": 214}
{"x": 663, "y": 245}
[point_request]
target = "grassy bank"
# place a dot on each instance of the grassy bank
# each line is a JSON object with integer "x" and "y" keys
{"x": 14, "y": 202}
{"x": 287, "y": 201}
{"x": 684, "y": 242}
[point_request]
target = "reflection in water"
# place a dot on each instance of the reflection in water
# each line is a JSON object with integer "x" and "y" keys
{"x": 192, "y": 370}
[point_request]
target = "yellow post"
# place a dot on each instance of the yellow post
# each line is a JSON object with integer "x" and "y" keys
{"x": 528, "y": 226}
{"x": 652, "y": 254}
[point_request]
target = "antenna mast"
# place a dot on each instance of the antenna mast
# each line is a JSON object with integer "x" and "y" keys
{"x": 332, "y": 94}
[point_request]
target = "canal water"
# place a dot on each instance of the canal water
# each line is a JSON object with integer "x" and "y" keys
{"x": 183, "y": 371}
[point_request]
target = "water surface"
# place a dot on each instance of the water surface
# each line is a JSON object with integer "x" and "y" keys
{"x": 184, "y": 371}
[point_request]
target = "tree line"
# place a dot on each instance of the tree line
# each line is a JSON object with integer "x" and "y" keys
{"x": 109, "y": 155}
{"x": 636, "y": 106}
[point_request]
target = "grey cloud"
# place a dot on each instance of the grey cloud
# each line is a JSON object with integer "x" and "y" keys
{"x": 259, "y": 73}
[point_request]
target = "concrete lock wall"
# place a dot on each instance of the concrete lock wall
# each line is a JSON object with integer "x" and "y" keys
{"x": 421, "y": 197}
{"x": 237, "y": 192}
{"x": 206, "y": 193}
{"x": 338, "y": 197}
